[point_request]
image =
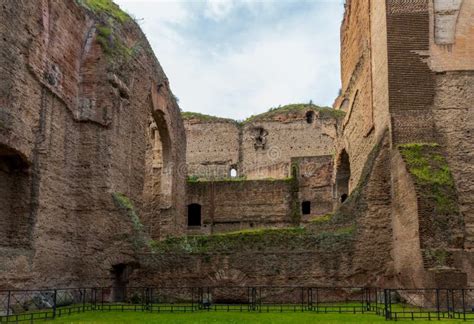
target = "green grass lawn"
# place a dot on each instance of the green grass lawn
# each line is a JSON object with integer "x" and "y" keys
{"x": 225, "y": 317}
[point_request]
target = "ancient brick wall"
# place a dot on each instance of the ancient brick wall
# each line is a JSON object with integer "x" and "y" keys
{"x": 236, "y": 205}
{"x": 411, "y": 82}
{"x": 357, "y": 136}
{"x": 259, "y": 148}
{"x": 213, "y": 147}
{"x": 315, "y": 185}
{"x": 75, "y": 111}
{"x": 286, "y": 136}
{"x": 350, "y": 247}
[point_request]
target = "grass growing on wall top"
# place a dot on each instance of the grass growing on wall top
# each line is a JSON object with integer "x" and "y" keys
{"x": 204, "y": 117}
{"x": 107, "y": 7}
{"x": 279, "y": 239}
{"x": 325, "y": 112}
{"x": 432, "y": 174}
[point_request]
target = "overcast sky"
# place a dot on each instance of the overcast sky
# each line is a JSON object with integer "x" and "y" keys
{"x": 235, "y": 58}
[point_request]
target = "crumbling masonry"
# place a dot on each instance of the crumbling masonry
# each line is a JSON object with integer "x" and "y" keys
{"x": 102, "y": 183}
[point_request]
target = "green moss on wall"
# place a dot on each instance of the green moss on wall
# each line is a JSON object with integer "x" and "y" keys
{"x": 432, "y": 174}
{"x": 126, "y": 204}
{"x": 138, "y": 239}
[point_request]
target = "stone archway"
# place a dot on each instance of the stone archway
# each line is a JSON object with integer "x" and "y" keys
{"x": 159, "y": 166}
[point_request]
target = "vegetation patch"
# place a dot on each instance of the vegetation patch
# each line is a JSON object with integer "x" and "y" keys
{"x": 432, "y": 174}
{"x": 197, "y": 179}
{"x": 113, "y": 46}
{"x": 276, "y": 239}
{"x": 187, "y": 115}
{"x": 322, "y": 219}
{"x": 324, "y": 112}
{"x": 436, "y": 258}
{"x": 126, "y": 204}
{"x": 106, "y": 7}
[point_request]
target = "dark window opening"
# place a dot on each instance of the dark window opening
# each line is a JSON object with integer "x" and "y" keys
{"x": 306, "y": 207}
{"x": 343, "y": 197}
{"x": 310, "y": 117}
{"x": 194, "y": 215}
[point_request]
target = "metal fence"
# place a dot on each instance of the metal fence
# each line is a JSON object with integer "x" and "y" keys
{"x": 392, "y": 304}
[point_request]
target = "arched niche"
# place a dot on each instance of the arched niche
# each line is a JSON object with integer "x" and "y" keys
{"x": 343, "y": 176}
{"x": 15, "y": 198}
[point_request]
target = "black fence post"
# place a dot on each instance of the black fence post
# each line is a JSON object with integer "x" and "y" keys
{"x": 463, "y": 304}
{"x": 317, "y": 300}
{"x": 151, "y": 300}
{"x": 55, "y": 296}
{"x": 437, "y": 303}
{"x": 302, "y": 298}
{"x": 95, "y": 298}
{"x": 8, "y": 303}
{"x": 386, "y": 301}
{"x": 102, "y": 298}
{"x": 84, "y": 300}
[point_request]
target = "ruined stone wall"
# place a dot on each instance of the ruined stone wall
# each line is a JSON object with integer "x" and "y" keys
{"x": 236, "y": 205}
{"x": 261, "y": 147}
{"x": 357, "y": 136}
{"x": 74, "y": 111}
{"x": 452, "y": 60}
{"x": 286, "y": 136}
{"x": 230, "y": 205}
{"x": 348, "y": 248}
{"x": 315, "y": 185}
{"x": 412, "y": 57}
{"x": 213, "y": 147}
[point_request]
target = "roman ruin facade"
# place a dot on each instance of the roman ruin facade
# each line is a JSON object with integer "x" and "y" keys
{"x": 272, "y": 170}
{"x": 99, "y": 174}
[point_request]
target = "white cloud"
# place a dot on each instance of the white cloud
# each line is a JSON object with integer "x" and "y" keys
{"x": 218, "y": 9}
{"x": 289, "y": 58}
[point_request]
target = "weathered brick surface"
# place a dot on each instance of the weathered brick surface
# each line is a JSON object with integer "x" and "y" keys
{"x": 80, "y": 123}
{"x": 213, "y": 148}
{"x": 236, "y": 205}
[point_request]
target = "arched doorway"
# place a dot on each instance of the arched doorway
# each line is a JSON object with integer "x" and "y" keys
{"x": 343, "y": 176}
